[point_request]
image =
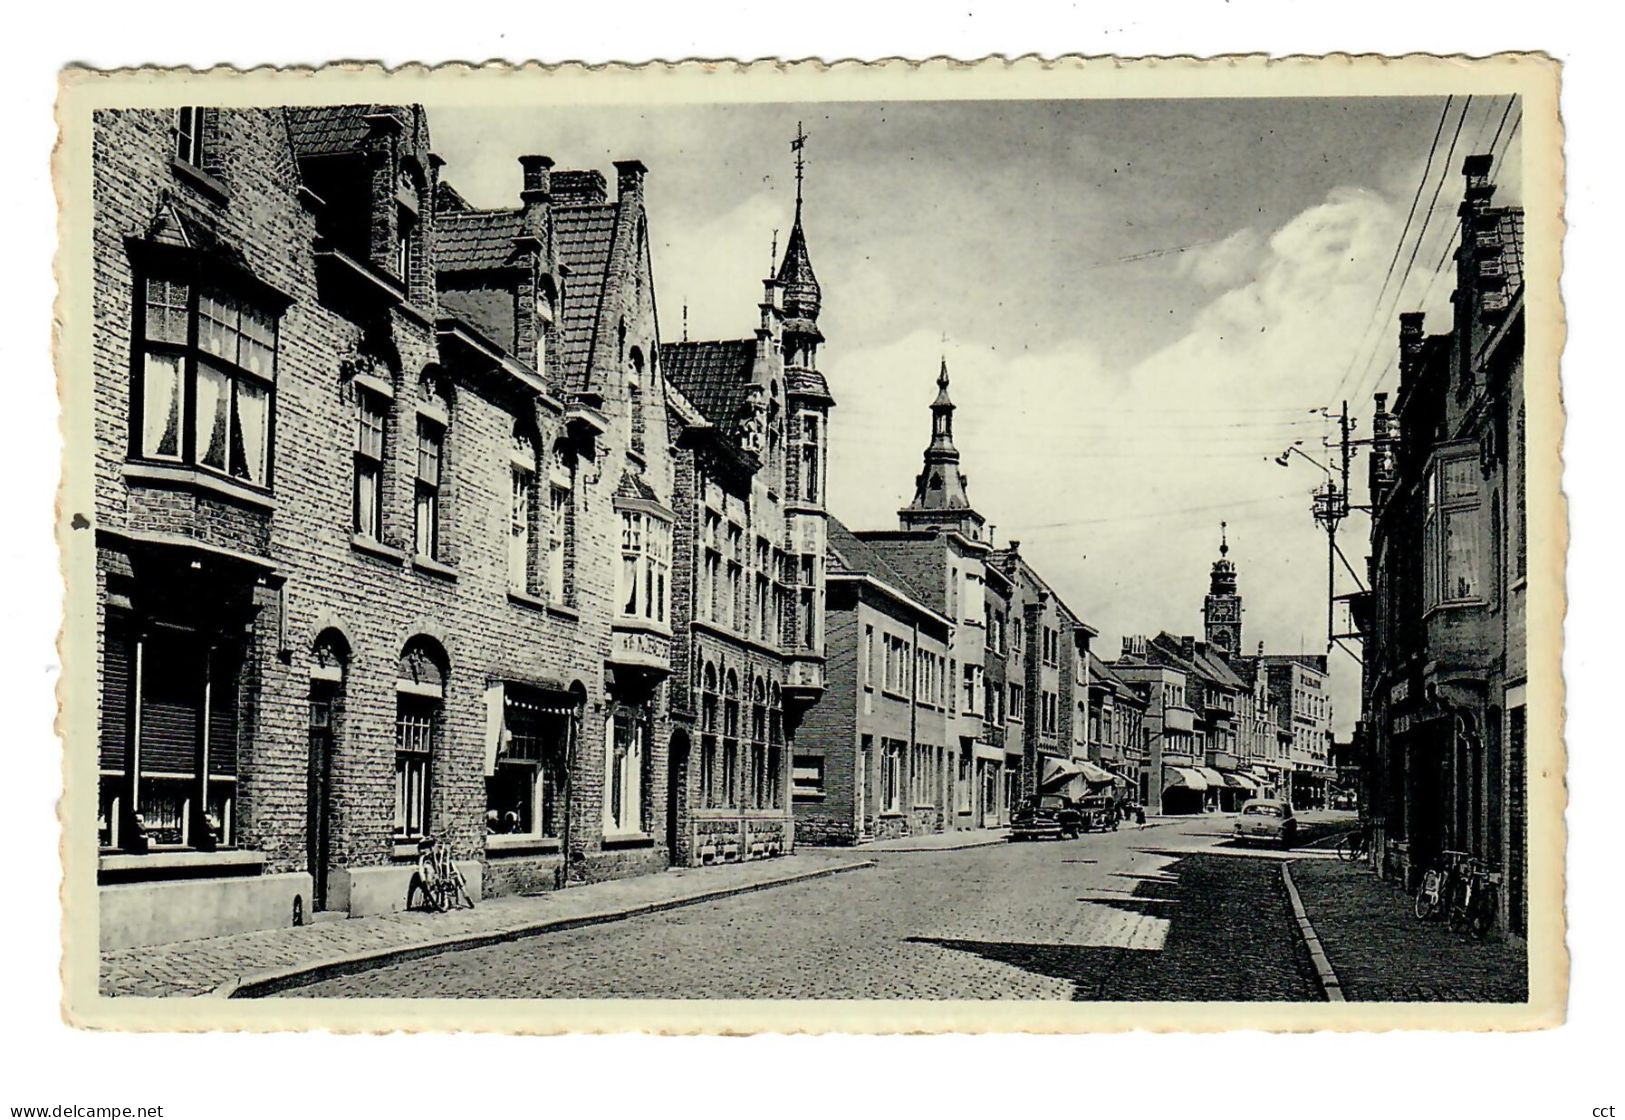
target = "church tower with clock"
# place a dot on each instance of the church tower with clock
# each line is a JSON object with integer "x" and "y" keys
{"x": 1221, "y": 610}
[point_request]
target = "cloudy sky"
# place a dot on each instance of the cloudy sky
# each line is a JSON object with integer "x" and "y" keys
{"x": 1141, "y": 304}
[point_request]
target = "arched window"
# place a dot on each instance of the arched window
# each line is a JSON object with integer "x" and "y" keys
{"x": 420, "y": 694}
{"x": 561, "y": 482}
{"x": 758, "y": 745}
{"x": 434, "y": 417}
{"x": 730, "y": 739}
{"x": 524, "y": 511}
{"x": 775, "y": 746}
{"x": 709, "y": 702}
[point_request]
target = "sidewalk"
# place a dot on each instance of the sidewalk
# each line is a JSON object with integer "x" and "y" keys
{"x": 267, "y": 959}
{"x": 938, "y": 841}
{"x": 1380, "y": 952}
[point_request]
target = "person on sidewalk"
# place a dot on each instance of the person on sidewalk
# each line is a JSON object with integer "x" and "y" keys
{"x": 1139, "y": 815}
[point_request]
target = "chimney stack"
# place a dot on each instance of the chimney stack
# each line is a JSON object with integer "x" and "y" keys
{"x": 1476, "y": 170}
{"x": 629, "y": 180}
{"x": 578, "y": 188}
{"x": 1410, "y": 346}
{"x": 1187, "y": 647}
{"x": 538, "y": 183}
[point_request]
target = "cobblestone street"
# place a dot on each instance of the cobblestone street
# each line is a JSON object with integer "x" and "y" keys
{"x": 1170, "y": 913}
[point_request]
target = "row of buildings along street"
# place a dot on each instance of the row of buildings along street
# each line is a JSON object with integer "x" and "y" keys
{"x": 411, "y": 522}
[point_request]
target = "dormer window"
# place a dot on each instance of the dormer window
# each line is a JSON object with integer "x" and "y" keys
{"x": 406, "y": 226}
{"x": 544, "y": 327}
{"x": 189, "y": 135}
{"x": 405, "y": 252}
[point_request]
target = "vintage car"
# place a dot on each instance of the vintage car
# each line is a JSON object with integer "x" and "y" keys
{"x": 1268, "y": 821}
{"x": 1098, "y": 813}
{"x": 1045, "y": 816}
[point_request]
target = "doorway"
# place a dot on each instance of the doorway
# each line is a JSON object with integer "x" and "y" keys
{"x": 319, "y": 814}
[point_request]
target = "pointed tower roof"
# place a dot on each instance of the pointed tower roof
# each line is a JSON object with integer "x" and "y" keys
{"x": 940, "y": 490}
{"x": 802, "y": 296}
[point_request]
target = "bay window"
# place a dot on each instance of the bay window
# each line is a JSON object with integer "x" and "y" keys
{"x": 645, "y": 576}
{"x": 1453, "y": 532}
{"x": 206, "y": 387}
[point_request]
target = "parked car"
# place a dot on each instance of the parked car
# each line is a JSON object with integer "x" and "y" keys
{"x": 1045, "y": 816}
{"x": 1269, "y": 821}
{"x": 1098, "y": 813}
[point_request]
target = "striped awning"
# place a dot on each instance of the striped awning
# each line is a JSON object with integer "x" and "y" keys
{"x": 1213, "y": 778}
{"x": 1240, "y": 781}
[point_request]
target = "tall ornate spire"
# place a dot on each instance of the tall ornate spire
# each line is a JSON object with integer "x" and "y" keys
{"x": 940, "y": 495}
{"x": 802, "y": 296}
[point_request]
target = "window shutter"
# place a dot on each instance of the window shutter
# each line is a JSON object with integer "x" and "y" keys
{"x": 115, "y": 710}
{"x": 172, "y": 703}
{"x": 223, "y": 714}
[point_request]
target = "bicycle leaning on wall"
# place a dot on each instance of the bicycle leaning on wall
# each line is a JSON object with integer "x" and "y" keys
{"x": 437, "y": 885}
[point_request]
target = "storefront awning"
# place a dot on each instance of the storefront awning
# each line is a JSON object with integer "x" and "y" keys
{"x": 1262, "y": 775}
{"x": 1182, "y": 777}
{"x": 1058, "y": 771}
{"x": 1240, "y": 781}
{"x": 1095, "y": 775}
{"x": 1213, "y": 778}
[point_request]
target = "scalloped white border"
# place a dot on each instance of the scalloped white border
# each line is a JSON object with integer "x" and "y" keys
{"x": 1533, "y": 76}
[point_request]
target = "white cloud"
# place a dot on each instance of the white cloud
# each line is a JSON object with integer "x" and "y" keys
{"x": 1115, "y": 481}
{"x": 1223, "y": 263}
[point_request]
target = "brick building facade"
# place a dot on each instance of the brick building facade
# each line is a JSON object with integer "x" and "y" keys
{"x": 875, "y": 760}
{"x": 364, "y": 458}
{"x": 750, "y": 417}
{"x": 1445, "y": 623}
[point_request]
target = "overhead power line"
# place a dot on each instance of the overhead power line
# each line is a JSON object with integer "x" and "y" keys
{"x": 1421, "y": 185}
{"x": 1433, "y": 203}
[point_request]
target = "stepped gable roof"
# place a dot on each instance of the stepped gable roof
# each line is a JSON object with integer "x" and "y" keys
{"x": 475, "y": 239}
{"x": 714, "y": 376}
{"x": 851, "y": 556}
{"x": 335, "y": 129}
{"x": 585, "y": 237}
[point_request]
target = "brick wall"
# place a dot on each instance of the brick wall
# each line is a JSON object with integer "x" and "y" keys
{"x": 377, "y": 599}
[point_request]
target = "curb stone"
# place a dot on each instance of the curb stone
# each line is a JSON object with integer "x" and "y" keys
{"x": 1329, "y": 983}
{"x": 271, "y": 981}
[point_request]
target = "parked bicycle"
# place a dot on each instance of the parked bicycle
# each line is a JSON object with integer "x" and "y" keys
{"x": 1438, "y": 885}
{"x": 1356, "y": 845}
{"x": 438, "y": 885}
{"x": 1473, "y": 905}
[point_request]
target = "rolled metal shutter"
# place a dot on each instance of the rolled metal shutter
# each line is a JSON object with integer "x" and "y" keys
{"x": 115, "y": 704}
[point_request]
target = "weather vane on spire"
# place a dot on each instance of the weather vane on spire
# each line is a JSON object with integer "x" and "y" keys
{"x": 796, "y": 146}
{"x": 1224, "y": 539}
